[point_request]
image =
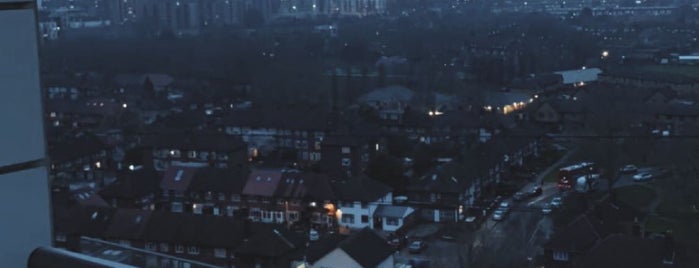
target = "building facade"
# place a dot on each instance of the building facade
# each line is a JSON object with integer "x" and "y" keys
{"x": 23, "y": 160}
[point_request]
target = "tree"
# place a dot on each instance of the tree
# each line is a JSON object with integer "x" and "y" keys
{"x": 387, "y": 169}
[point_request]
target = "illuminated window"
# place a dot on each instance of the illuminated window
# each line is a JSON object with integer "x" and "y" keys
{"x": 346, "y": 150}
{"x": 179, "y": 249}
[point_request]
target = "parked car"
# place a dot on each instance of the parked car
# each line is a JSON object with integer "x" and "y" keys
{"x": 417, "y": 246}
{"x": 499, "y": 215}
{"x": 642, "y": 176}
{"x": 546, "y": 209}
{"x": 628, "y": 169}
{"x": 557, "y": 202}
{"x": 519, "y": 197}
{"x": 505, "y": 207}
{"x": 397, "y": 242}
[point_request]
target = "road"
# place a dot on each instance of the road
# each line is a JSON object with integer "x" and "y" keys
{"x": 506, "y": 243}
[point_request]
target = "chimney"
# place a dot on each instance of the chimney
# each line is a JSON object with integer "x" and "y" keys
{"x": 669, "y": 248}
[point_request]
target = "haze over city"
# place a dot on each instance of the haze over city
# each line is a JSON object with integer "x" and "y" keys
{"x": 349, "y": 133}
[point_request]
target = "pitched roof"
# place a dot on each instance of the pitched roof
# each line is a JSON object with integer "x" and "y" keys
{"x": 133, "y": 184}
{"x": 177, "y": 178}
{"x": 580, "y": 235}
{"x": 271, "y": 242}
{"x": 632, "y": 251}
{"x": 199, "y": 140}
{"x": 209, "y": 179}
{"x": 69, "y": 150}
{"x": 324, "y": 245}
{"x": 360, "y": 188}
{"x": 162, "y": 226}
{"x": 262, "y": 182}
{"x": 367, "y": 248}
{"x": 390, "y": 93}
{"x": 83, "y": 220}
{"x": 128, "y": 224}
{"x": 309, "y": 119}
{"x": 158, "y": 80}
{"x": 88, "y": 197}
{"x": 392, "y": 211}
{"x": 304, "y": 185}
{"x": 579, "y": 75}
{"x": 452, "y": 177}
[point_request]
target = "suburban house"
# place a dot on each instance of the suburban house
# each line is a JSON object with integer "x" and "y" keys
{"x": 662, "y": 95}
{"x": 128, "y": 226}
{"x": 270, "y": 246}
{"x": 133, "y": 189}
{"x": 82, "y": 159}
{"x": 259, "y": 196}
{"x": 204, "y": 238}
{"x": 289, "y": 196}
{"x": 306, "y": 197}
{"x": 559, "y": 113}
{"x": 195, "y": 149}
{"x": 205, "y": 190}
{"x": 174, "y": 185}
{"x": 69, "y": 114}
{"x": 394, "y": 218}
{"x": 152, "y": 82}
{"x": 70, "y": 223}
{"x": 216, "y": 191}
{"x": 357, "y": 200}
{"x": 268, "y": 130}
{"x": 621, "y": 250}
{"x": 363, "y": 249}
{"x": 222, "y": 241}
{"x": 642, "y": 79}
{"x": 443, "y": 194}
{"x": 567, "y": 245}
{"x": 344, "y": 156}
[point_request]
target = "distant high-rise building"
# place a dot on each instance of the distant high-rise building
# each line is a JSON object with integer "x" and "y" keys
{"x": 122, "y": 11}
{"x": 334, "y": 7}
{"x": 24, "y": 194}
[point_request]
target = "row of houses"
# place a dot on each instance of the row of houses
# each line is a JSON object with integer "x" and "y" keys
{"x": 220, "y": 241}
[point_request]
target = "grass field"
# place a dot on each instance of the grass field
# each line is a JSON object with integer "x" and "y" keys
{"x": 637, "y": 196}
{"x": 687, "y": 230}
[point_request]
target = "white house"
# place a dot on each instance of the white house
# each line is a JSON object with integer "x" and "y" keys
{"x": 392, "y": 218}
{"x": 358, "y": 199}
{"x": 365, "y": 249}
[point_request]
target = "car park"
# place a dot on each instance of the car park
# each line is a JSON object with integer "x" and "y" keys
{"x": 628, "y": 169}
{"x": 643, "y": 176}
